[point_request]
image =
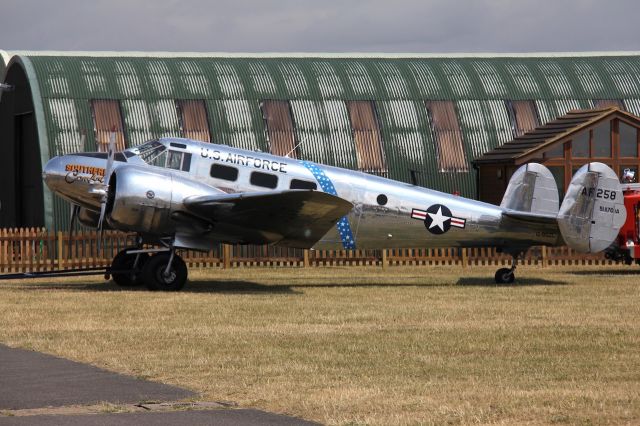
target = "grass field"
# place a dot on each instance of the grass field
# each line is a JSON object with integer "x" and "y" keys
{"x": 361, "y": 345}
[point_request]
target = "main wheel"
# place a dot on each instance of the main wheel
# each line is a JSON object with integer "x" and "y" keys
{"x": 125, "y": 262}
{"x": 505, "y": 276}
{"x": 155, "y": 278}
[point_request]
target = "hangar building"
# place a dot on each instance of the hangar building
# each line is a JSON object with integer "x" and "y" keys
{"x": 416, "y": 118}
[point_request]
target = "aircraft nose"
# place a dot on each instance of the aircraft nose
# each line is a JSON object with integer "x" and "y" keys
{"x": 53, "y": 173}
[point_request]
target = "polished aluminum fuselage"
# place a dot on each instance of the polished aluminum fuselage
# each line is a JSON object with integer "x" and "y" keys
{"x": 384, "y": 213}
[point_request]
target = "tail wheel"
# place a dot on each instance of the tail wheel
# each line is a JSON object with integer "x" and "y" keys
{"x": 156, "y": 276}
{"x": 130, "y": 277}
{"x": 505, "y": 276}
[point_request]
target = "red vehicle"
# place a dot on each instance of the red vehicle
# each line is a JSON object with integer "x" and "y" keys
{"x": 626, "y": 248}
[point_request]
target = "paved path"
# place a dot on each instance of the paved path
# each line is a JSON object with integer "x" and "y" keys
{"x": 32, "y": 381}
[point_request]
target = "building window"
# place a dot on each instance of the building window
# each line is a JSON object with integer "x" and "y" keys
{"x": 558, "y": 176}
{"x": 366, "y": 136}
{"x": 447, "y": 135}
{"x": 555, "y": 152}
{"x": 193, "y": 120}
{"x": 280, "y": 129}
{"x": 107, "y": 119}
{"x": 628, "y": 140}
{"x": 601, "y": 140}
{"x": 580, "y": 145}
{"x": 264, "y": 180}
{"x": 524, "y": 116}
{"x": 219, "y": 171}
{"x": 608, "y": 103}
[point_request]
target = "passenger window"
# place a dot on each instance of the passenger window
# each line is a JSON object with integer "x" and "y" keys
{"x": 219, "y": 171}
{"x": 302, "y": 184}
{"x": 265, "y": 180}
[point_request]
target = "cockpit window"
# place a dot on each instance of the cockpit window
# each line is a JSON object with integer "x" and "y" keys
{"x": 156, "y": 154}
{"x": 153, "y": 153}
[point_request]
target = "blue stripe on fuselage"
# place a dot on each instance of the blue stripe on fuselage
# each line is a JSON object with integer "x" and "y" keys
{"x": 344, "y": 228}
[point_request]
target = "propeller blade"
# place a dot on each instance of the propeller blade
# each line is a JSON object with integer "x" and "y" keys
{"x": 75, "y": 209}
{"x": 111, "y": 152}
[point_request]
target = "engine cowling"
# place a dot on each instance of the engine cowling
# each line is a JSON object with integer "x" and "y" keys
{"x": 143, "y": 200}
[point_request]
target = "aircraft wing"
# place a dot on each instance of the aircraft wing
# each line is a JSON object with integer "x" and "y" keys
{"x": 294, "y": 218}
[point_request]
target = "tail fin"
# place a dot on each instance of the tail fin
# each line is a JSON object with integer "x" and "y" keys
{"x": 592, "y": 211}
{"x": 532, "y": 189}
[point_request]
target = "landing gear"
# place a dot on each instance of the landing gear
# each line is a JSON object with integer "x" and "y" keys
{"x": 126, "y": 268}
{"x": 165, "y": 271}
{"x": 507, "y": 275}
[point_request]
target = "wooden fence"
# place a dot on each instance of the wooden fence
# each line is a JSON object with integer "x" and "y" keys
{"x": 30, "y": 250}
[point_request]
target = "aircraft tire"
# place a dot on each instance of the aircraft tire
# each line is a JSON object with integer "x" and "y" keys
{"x": 154, "y": 277}
{"x": 124, "y": 261}
{"x": 505, "y": 276}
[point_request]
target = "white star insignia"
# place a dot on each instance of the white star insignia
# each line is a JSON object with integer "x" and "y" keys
{"x": 438, "y": 219}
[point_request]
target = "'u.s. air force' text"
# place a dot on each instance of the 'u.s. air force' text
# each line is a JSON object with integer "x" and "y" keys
{"x": 243, "y": 160}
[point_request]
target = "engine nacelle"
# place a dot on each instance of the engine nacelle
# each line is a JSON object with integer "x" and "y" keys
{"x": 143, "y": 200}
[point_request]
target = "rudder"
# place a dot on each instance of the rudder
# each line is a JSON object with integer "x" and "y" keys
{"x": 592, "y": 211}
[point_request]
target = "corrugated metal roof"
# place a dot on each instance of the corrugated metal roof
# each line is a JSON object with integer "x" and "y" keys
{"x": 549, "y": 134}
{"x": 317, "y": 85}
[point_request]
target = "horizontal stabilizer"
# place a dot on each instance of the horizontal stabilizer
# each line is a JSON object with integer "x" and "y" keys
{"x": 593, "y": 209}
{"x": 294, "y": 218}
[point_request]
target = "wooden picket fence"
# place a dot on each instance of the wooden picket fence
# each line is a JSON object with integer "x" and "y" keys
{"x": 34, "y": 249}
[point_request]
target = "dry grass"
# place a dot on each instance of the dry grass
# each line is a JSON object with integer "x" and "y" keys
{"x": 359, "y": 345}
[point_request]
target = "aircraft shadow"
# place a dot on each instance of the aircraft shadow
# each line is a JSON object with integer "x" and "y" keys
{"x": 520, "y": 282}
{"x": 236, "y": 287}
{"x": 630, "y": 271}
{"x": 249, "y": 287}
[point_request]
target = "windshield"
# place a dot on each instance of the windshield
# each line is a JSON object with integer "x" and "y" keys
{"x": 153, "y": 153}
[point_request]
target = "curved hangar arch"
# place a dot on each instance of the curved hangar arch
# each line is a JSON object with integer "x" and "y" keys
{"x": 25, "y": 150}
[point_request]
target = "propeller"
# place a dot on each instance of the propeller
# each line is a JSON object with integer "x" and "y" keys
{"x": 75, "y": 209}
{"x": 111, "y": 151}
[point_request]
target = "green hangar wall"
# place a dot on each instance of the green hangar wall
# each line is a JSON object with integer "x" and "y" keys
{"x": 421, "y": 119}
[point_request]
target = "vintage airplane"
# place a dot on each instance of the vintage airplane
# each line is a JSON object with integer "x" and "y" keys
{"x": 183, "y": 194}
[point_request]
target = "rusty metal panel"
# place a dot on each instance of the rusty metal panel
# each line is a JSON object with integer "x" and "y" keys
{"x": 367, "y": 138}
{"x": 277, "y": 115}
{"x": 524, "y": 116}
{"x": 107, "y": 119}
{"x": 193, "y": 120}
{"x": 448, "y": 136}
